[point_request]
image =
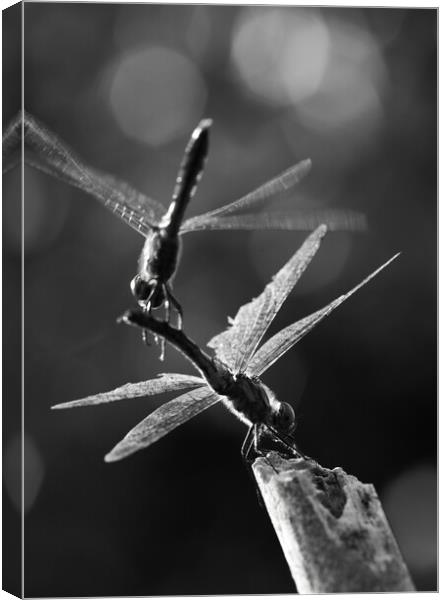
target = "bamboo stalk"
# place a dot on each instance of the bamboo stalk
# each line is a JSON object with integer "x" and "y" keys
{"x": 332, "y": 528}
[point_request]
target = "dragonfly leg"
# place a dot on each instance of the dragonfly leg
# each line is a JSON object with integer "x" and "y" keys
{"x": 176, "y": 305}
{"x": 252, "y": 447}
{"x": 166, "y": 303}
{"x": 145, "y": 338}
{"x": 247, "y": 446}
{"x": 287, "y": 442}
{"x": 148, "y": 307}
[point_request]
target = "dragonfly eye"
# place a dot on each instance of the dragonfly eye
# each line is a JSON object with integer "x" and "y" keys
{"x": 286, "y": 419}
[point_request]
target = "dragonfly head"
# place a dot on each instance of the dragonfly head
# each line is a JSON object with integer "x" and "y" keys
{"x": 147, "y": 290}
{"x": 284, "y": 419}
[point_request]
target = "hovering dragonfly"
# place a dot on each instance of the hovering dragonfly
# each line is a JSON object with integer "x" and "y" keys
{"x": 163, "y": 228}
{"x": 232, "y": 375}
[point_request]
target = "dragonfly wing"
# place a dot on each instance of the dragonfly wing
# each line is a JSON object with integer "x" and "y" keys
{"x": 276, "y": 346}
{"x": 137, "y": 210}
{"x": 46, "y": 151}
{"x": 297, "y": 220}
{"x": 279, "y": 184}
{"x": 166, "y": 382}
{"x": 163, "y": 420}
{"x": 237, "y": 344}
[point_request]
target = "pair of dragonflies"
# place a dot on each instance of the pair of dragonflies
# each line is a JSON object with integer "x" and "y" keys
{"x": 162, "y": 229}
{"x": 232, "y": 374}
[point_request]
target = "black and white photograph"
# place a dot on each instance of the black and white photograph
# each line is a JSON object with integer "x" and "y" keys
{"x": 219, "y": 299}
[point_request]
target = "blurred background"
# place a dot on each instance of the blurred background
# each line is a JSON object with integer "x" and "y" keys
{"x": 124, "y": 85}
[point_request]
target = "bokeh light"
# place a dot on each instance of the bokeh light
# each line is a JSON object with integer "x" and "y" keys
{"x": 43, "y": 218}
{"x": 33, "y": 475}
{"x": 281, "y": 55}
{"x": 353, "y": 81}
{"x": 410, "y": 502}
{"x": 155, "y": 93}
{"x": 330, "y": 72}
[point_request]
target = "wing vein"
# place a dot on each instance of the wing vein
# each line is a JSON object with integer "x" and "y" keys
{"x": 280, "y": 343}
{"x": 163, "y": 420}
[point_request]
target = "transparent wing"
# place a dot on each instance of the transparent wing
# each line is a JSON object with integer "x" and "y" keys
{"x": 236, "y": 345}
{"x": 275, "y": 186}
{"x": 297, "y": 220}
{"x": 163, "y": 420}
{"x": 45, "y": 151}
{"x": 276, "y": 346}
{"x": 165, "y": 382}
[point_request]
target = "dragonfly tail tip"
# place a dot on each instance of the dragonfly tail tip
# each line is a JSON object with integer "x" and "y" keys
{"x": 123, "y": 318}
{"x": 205, "y": 123}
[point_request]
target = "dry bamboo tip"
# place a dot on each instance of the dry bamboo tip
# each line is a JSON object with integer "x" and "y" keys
{"x": 332, "y": 529}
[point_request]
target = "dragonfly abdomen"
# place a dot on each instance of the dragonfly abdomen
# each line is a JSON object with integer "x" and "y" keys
{"x": 190, "y": 173}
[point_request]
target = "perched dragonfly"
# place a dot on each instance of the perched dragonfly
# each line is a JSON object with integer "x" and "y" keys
{"x": 161, "y": 227}
{"x": 232, "y": 375}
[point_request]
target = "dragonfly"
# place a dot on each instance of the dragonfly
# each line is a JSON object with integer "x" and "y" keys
{"x": 232, "y": 374}
{"x": 163, "y": 227}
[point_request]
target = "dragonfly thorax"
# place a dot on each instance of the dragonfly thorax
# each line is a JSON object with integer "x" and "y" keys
{"x": 159, "y": 256}
{"x": 252, "y": 402}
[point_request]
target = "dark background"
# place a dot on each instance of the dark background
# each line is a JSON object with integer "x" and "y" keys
{"x": 355, "y": 90}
